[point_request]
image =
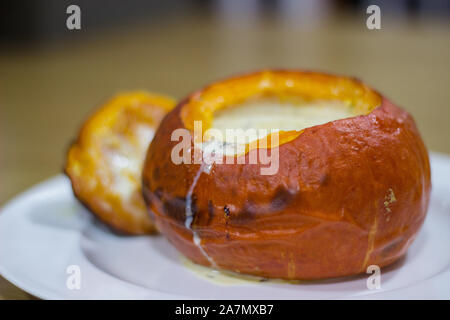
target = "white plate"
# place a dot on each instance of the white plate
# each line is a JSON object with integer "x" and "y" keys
{"x": 45, "y": 230}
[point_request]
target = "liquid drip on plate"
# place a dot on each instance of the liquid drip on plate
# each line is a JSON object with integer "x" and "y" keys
{"x": 222, "y": 277}
{"x": 190, "y": 215}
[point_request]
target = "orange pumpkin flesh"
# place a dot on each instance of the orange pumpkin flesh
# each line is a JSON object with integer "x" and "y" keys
{"x": 104, "y": 164}
{"x": 349, "y": 193}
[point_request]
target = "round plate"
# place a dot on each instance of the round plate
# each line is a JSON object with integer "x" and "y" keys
{"x": 51, "y": 247}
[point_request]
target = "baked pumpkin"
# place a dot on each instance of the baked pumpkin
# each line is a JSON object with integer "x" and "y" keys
{"x": 105, "y": 162}
{"x": 351, "y": 189}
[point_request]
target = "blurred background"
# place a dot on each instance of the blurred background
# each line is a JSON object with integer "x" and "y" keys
{"x": 51, "y": 77}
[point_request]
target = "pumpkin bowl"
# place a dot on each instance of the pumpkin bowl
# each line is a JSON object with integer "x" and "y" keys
{"x": 350, "y": 187}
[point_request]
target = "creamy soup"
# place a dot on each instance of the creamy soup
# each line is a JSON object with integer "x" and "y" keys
{"x": 271, "y": 114}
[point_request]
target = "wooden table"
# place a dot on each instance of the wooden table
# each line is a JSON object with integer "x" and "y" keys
{"x": 47, "y": 92}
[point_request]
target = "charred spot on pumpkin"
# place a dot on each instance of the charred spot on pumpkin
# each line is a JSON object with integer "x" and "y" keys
{"x": 176, "y": 208}
{"x": 202, "y": 216}
{"x": 281, "y": 199}
{"x": 156, "y": 175}
{"x": 247, "y": 214}
{"x": 227, "y": 212}
{"x": 210, "y": 212}
{"x": 227, "y": 236}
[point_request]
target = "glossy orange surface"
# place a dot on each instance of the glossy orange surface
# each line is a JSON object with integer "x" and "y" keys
{"x": 348, "y": 194}
{"x": 105, "y": 161}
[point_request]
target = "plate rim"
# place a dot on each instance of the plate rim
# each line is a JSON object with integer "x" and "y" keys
{"x": 44, "y": 293}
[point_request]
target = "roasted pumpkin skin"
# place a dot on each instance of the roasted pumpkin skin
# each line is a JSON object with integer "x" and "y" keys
{"x": 348, "y": 194}
{"x": 104, "y": 163}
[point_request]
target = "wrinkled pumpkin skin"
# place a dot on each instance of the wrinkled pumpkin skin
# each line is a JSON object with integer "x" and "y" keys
{"x": 348, "y": 194}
